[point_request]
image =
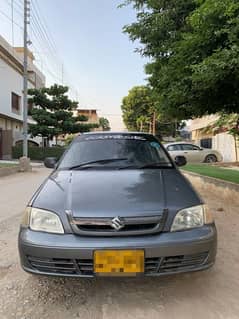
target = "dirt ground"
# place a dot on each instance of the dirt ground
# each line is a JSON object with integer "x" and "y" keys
{"x": 210, "y": 294}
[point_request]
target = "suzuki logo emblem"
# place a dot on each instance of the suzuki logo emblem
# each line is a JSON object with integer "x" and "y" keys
{"x": 117, "y": 223}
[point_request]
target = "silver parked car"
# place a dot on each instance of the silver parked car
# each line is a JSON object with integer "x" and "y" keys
{"x": 116, "y": 205}
{"x": 193, "y": 153}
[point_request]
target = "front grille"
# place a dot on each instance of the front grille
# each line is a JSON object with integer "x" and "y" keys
{"x": 139, "y": 225}
{"x": 53, "y": 265}
{"x": 174, "y": 263}
{"x": 62, "y": 266}
{"x": 180, "y": 262}
{"x": 85, "y": 267}
{"x": 151, "y": 265}
{"x": 108, "y": 228}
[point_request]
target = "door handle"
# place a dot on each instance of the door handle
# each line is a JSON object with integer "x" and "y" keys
{"x": 185, "y": 152}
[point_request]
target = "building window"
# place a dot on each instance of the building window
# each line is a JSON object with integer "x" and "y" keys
{"x": 206, "y": 143}
{"x": 16, "y": 103}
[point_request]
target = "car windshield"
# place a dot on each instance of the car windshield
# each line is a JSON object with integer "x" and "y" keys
{"x": 115, "y": 152}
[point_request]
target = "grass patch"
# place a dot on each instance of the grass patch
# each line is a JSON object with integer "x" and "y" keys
{"x": 213, "y": 171}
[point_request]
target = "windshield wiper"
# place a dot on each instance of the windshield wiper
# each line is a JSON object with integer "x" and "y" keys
{"x": 156, "y": 165}
{"x": 129, "y": 166}
{"x": 149, "y": 165}
{"x": 103, "y": 161}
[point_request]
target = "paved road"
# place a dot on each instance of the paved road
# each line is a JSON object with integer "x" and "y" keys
{"x": 210, "y": 294}
{"x": 17, "y": 189}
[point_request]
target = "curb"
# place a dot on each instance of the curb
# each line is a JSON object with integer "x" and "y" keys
{"x": 214, "y": 181}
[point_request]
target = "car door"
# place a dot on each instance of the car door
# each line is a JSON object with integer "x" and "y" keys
{"x": 193, "y": 153}
{"x": 174, "y": 150}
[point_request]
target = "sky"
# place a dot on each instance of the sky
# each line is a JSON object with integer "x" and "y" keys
{"x": 91, "y": 54}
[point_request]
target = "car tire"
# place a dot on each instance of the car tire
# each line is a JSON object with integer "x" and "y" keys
{"x": 211, "y": 158}
{"x": 181, "y": 156}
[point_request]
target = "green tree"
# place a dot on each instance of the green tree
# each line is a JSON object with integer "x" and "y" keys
{"x": 137, "y": 107}
{"x": 104, "y": 124}
{"x": 141, "y": 112}
{"x": 194, "y": 50}
{"x": 53, "y": 113}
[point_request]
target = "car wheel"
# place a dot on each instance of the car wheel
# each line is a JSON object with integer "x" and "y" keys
{"x": 180, "y": 156}
{"x": 211, "y": 158}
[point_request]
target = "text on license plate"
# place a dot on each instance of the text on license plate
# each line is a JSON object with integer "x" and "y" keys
{"x": 116, "y": 262}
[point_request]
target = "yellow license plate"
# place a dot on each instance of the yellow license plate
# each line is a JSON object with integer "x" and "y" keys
{"x": 118, "y": 262}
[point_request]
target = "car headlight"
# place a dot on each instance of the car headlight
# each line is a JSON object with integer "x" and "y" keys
{"x": 42, "y": 220}
{"x": 192, "y": 217}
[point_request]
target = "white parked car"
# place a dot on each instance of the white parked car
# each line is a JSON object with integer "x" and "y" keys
{"x": 193, "y": 153}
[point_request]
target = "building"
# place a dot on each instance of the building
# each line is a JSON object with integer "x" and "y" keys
{"x": 222, "y": 142}
{"x": 92, "y": 116}
{"x": 11, "y": 94}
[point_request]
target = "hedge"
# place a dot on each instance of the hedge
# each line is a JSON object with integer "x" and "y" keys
{"x": 38, "y": 153}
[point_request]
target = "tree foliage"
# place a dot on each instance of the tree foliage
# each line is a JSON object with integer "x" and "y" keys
{"x": 139, "y": 108}
{"x": 53, "y": 113}
{"x": 194, "y": 51}
{"x": 104, "y": 124}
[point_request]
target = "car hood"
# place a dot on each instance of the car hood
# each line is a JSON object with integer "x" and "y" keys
{"x": 109, "y": 193}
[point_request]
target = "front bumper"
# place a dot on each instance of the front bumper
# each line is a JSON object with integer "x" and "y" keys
{"x": 72, "y": 255}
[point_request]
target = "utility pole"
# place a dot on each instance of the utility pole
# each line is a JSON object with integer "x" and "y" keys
{"x": 62, "y": 74}
{"x": 25, "y": 77}
{"x": 141, "y": 126}
{"x": 12, "y": 14}
{"x": 150, "y": 127}
{"x": 154, "y": 123}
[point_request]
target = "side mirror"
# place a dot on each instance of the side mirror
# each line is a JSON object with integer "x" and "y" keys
{"x": 180, "y": 160}
{"x": 50, "y": 162}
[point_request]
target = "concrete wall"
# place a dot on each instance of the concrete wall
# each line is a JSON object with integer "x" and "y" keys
{"x": 202, "y": 122}
{"x": 222, "y": 142}
{"x": 6, "y": 144}
{"x": 11, "y": 79}
{"x": 10, "y": 128}
{"x": 225, "y": 144}
{"x": 91, "y": 114}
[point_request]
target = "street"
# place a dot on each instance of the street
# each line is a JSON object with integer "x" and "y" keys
{"x": 210, "y": 294}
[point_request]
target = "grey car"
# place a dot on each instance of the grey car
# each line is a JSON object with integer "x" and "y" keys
{"x": 116, "y": 205}
{"x": 193, "y": 153}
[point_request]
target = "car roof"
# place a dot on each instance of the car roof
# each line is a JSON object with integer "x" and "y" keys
{"x": 176, "y": 143}
{"x": 116, "y": 133}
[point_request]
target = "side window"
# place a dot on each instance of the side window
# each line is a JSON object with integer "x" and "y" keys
{"x": 173, "y": 148}
{"x": 16, "y": 103}
{"x": 189, "y": 147}
{"x": 206, "y": 142}
{"x": 196, "y": 148}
